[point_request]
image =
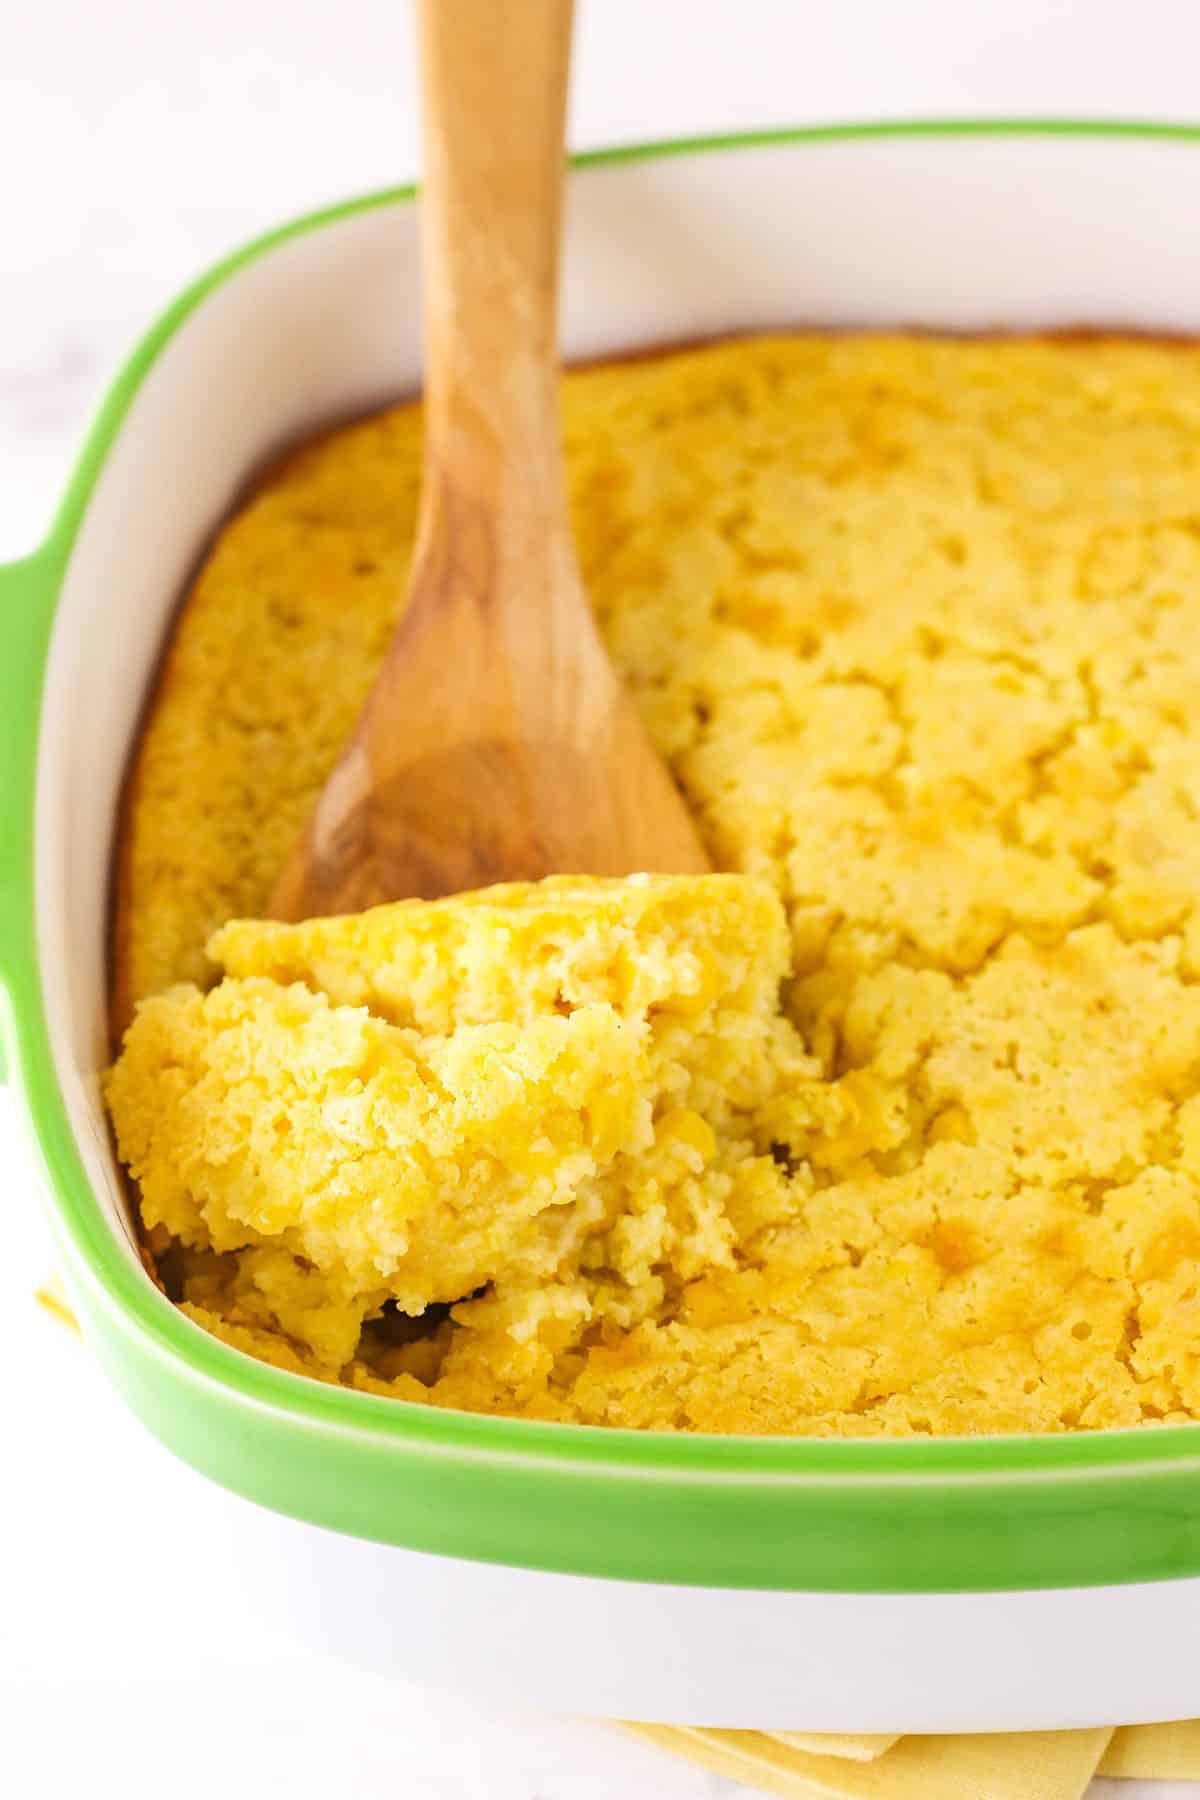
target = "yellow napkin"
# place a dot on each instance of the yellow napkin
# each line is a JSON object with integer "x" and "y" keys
{"x": 1155, "y": 1752}
{"x": 1034, "y": 1765}
{"x": 859, "y": 1746}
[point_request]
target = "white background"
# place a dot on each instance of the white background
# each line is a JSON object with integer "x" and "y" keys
{"x": 138, "y": 141}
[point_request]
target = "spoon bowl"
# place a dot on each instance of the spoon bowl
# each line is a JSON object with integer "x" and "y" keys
{"x": 497, "y": 743}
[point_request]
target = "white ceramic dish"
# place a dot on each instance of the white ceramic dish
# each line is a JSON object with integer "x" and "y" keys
{"x": 972, "y": 230}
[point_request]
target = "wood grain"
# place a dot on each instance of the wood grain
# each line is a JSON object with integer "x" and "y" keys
{"x": 497, "y": 743}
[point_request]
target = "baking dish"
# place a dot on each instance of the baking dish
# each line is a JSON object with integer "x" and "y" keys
{"x": 1000, "y": 1584}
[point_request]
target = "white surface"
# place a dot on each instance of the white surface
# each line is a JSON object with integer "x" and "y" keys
{"x": 147, "y": 140}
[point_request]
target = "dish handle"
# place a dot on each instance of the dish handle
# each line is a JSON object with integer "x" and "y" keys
{"x": 26, "y": 590}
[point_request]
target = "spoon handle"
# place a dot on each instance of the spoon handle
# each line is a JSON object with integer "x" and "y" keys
{"x": 494, "y": 85}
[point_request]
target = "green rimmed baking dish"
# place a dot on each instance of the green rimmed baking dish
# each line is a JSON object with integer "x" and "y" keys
{"x": 994, "y": 1583}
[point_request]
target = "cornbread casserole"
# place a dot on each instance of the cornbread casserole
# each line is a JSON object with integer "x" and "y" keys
{"x": 893, "y": 1128}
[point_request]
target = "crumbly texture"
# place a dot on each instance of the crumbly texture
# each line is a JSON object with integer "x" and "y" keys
{"x": 917, "y": 625}
{"x": 560, "y": 1094}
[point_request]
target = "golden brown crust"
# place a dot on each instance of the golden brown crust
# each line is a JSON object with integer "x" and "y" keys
{"x": 283, "y": 462}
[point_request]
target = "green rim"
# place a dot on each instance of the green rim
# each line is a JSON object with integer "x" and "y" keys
{"x": 908, "y": 1515}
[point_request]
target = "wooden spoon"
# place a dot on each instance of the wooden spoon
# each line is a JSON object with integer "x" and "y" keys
{"x": 497, "y": 744}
